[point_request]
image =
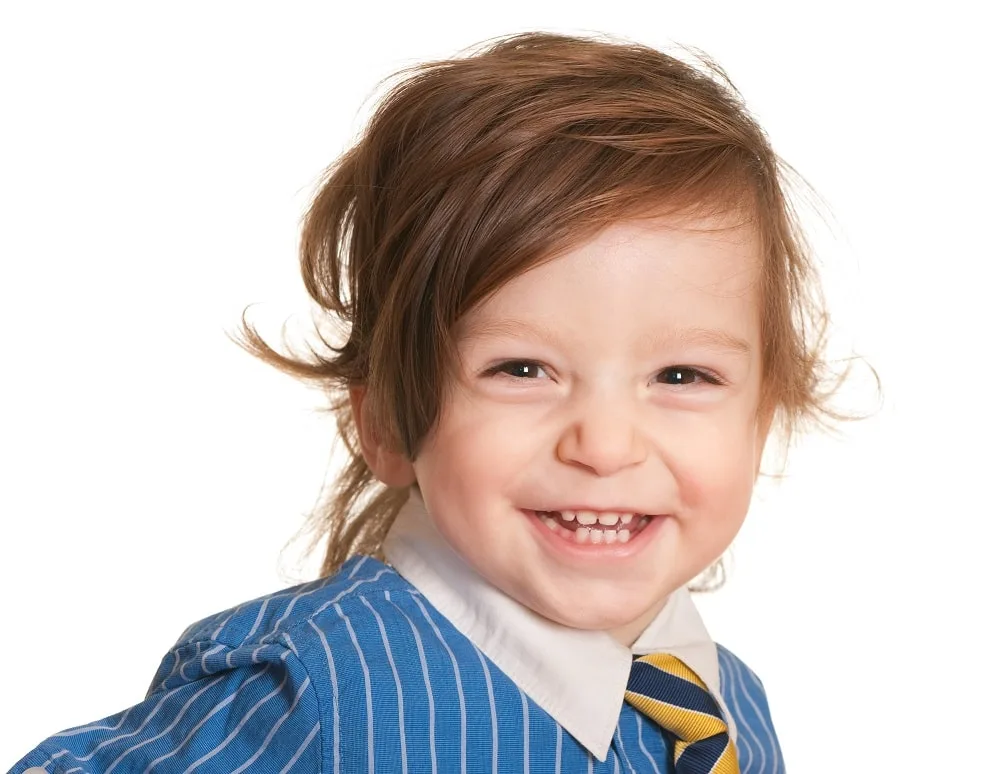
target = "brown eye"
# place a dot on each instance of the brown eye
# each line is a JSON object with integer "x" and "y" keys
{"x": 521, "y": 369}
{"x": 683, "y": 375}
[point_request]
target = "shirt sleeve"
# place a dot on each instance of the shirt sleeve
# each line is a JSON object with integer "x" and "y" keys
{"x": 210, "y": 708}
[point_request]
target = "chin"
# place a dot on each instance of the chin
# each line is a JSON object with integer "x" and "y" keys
{"x": 598, "y": 617}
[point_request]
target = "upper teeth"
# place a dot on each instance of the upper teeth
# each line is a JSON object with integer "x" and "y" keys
{"x": 606, "y": 518}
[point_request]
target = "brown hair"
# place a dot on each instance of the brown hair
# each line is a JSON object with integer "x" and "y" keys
{"x": 476, "y": 168}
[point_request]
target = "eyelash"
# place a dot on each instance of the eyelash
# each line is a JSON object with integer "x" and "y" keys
{"x": 707, "y": 377}
{"x": 502, "y": 368}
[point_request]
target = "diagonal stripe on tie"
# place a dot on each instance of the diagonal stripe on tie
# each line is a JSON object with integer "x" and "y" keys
{"x": 702, "y": 756}
{"x": 647, "y": 679}
{"x": 665, "y": 689}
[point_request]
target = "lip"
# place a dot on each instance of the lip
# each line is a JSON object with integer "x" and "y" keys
{"x": 591, "y": 551}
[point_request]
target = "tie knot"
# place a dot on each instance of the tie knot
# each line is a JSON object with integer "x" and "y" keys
{"x": 669, "y": 664}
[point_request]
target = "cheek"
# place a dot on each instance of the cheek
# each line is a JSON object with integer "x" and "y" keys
{"x": 480, "y": 436}
{"x": 467, "y": 455}
{"x": 715, "y": 470}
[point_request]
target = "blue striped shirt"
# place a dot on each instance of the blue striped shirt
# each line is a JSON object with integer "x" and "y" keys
{"x": 359, "y": 673}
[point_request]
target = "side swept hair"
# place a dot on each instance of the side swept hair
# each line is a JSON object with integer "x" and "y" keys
{"x": 476, "y": 168}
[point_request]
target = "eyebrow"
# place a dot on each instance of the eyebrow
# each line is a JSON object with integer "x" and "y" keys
{"x": 512, "y": 328}
{"x": 710, "y": 338}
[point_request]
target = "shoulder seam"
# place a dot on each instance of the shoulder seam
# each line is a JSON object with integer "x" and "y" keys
{"x": 343, "y": 596}
{"x": 274, "y": 634}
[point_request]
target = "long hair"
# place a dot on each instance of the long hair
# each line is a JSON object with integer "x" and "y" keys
{"x": 476, "y": 168}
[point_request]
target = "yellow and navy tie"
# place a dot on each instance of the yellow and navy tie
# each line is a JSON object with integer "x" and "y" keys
{"x": 664, "y": 689}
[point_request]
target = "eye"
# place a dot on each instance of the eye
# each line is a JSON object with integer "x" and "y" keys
{"x": 680, "y": 376}
{"x": 518, "y": 369}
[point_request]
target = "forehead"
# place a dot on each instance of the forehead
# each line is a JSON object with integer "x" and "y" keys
{"x": 660, "y": 273}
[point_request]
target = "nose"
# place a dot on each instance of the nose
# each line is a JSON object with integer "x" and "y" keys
{"x": 603, "y": 437}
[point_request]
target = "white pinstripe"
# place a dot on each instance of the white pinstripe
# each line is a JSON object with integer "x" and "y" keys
{"x": 260, "y": 617}
{"x": 427, "y": 680}
{"x": 243, "y": 721}
{"x": 368, "y": 689}
{"x": 493, "y": 709}
{"x": 302, "y": 749}
{"x": 120, "y": 737}
{"x": 746, "y": 765}
{"x": 215, "y": 634}
{"x": 180, "y": 713}
{"x": 217, "y": 708}
{"x": 274, "y": 729}
{"x": 763, "y": 722}
{"x": 525, "y": 724}
{"x": 395, "y": 677}
{"x": 207, "y": 653}
{"x": 173, "y": 669}
{"x": 304, "y": 591}
{"x": 255, "y": 653}
{"x": 621, "y": 744}
{"x": 94, "y": 727}
{"x": 458, "y": 676}
{"x": 190, "y": 632}
{"x": 52, "y": 758}
{"x": 336, "y": 696}
{"x": 362, "y": 562}
{"x": 345, "y": 592}
{"x": 190, "y": 660}
{"x": 642, "y": 744}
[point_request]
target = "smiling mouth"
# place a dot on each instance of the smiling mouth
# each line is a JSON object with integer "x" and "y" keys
{"x": 595, "y": 528}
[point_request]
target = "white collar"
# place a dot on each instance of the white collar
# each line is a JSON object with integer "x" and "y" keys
{"x": 576, "y": 676}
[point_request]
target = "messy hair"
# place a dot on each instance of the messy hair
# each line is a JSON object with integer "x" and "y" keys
{"x": 476, "y": 168}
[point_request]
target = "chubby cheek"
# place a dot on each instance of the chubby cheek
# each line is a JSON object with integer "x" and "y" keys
{"x": 463, "y": 465}
{"x": 483, "y": 441}
{"x": 715, "y": 481}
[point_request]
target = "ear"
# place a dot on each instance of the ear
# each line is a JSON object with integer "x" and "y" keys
{"x": 390, "y": 467}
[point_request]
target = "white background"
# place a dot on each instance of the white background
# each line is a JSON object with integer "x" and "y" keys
{"x": 155, "y": 162}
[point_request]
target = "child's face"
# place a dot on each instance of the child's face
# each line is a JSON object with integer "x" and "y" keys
{"x": 589, "y": 384}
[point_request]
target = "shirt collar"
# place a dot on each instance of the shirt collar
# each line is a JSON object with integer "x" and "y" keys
{"x": 577, "y": 676}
